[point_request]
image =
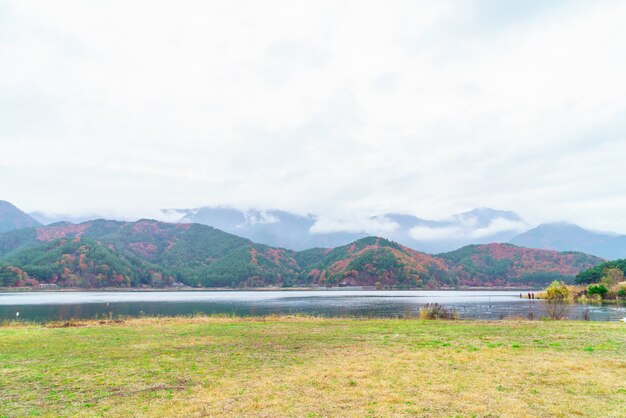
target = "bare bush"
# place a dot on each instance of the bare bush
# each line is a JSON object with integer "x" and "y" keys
{"x": 437, "y": 311}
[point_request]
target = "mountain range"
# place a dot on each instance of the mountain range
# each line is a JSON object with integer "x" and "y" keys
{"x": 298, "y": 232}
{"x": 479, "y": 226}
{"x": 106, "y": 253}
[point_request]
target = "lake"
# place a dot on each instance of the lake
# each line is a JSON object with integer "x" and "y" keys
{"x": 491, "y": 304}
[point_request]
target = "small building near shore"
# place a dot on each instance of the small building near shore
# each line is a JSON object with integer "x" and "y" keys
{"x": 48, "y": 285}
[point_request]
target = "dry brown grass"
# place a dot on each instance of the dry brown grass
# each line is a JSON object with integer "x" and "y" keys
{"x": 299, "y": 366}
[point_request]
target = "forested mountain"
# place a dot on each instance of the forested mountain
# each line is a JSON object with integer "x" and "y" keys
{"x": 161, "y": 252}
{"x": 81, "y": 262}
{"x": 104, "y": 253}
{"x": 379, "y": 262}
{"x": 502, "y": 264}
{"x": 12, "y": 218}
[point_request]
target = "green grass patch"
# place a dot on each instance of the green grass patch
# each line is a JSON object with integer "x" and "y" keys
{"x": 299, "y": 366}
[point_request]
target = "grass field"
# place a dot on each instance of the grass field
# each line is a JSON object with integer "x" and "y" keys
{"x": 285, "y": 366}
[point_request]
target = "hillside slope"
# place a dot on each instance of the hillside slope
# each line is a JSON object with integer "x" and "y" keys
{"x": 376, "y": 261}
{"x": 190, "y": 253}
{"x": 506, "y": 264}
{"x": 80, "y": 262}
{"x": 12, "y": 218}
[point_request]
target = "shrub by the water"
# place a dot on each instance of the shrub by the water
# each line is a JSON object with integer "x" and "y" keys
{"x": 598, "y": 289}
{"x": 437, "y": 311}
{"x": 556, "y": 298}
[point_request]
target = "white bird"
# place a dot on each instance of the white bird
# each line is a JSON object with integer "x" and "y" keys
{"x": 623, "y": 319}
{"x": 17, "y": 314}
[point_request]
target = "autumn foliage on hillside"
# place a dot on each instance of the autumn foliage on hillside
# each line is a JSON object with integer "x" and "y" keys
{"x": 50, "y": 233}
{"x": 105, "y": 253}
{"x": 383, "y": 263}
{"x": 80, "y": 262}
{"x": 15, "y": 276}
{"x": 506, "y": 264}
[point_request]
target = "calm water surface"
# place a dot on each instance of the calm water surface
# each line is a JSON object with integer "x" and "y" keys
{"x": 45, "y": 306}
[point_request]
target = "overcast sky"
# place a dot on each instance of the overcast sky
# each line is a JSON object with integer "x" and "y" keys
{"x": 343, "y": 109}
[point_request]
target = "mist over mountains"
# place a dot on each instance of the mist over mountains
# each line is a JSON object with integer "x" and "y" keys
{"x": 298, "y": 232}
{"x": 478, "y": 226}
{"x": 378, "y": 252}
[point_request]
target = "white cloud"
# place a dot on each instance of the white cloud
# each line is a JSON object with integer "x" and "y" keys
{"x": 371, "y": 226}
{"x": 259, "y": 217}
{"x": 168, "y": 215}
{"x": 465, "y": 228}
{"x": 342, "y": 108}
{"x": 498, "y": 225}
{"x": 425, "y": 233}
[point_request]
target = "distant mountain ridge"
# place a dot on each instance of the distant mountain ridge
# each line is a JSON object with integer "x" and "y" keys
{"x": 564, "y": 236}
{"x": 104, "y": 253}
{"x": 298, "y": 232}
{"x": 48, "y": 219}
{"x": 13, "y": 218}
{"x": 477, "y": 226}
{"x": 272, "y": 227}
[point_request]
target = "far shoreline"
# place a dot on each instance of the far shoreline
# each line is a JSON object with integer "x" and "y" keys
{"x": 254, "y": 289}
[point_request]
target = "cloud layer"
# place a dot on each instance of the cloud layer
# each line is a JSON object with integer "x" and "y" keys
{"x": 466, "y": 230}
{"x": 342, "y": 108}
